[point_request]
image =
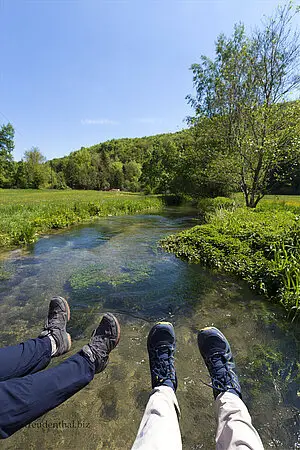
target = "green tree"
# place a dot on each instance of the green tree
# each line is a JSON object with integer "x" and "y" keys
{"x": 6, "y": 158}
{"x": 204, "y": 168}
{"x": 242, "y": 93}
{"x": 116, "y": 175}
{"x": 21, "y": 175}
{"x": 160, "y": 170}
{"x": 36, "y": 171}
{"x": 132, "y": 172}
{"x": 78, "y": 169}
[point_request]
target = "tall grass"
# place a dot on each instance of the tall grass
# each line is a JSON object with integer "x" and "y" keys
{"x": 25, "y": 214}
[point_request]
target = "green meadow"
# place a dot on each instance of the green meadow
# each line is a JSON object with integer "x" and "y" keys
{"x": 25, "y": 214}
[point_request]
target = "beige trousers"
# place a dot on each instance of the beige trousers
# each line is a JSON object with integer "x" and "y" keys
{"x": 159, "y": 429}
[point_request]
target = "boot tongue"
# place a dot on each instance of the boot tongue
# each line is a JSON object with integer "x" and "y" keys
{"x": 163, "y": 338}
{"x": 215, "y": 346}
{"x": 163, "y": 350}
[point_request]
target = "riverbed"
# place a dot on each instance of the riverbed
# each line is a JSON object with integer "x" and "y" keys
{"x": 115, "y": 264}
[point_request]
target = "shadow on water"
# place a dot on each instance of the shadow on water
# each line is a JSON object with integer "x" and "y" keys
{"x": 116, "y": 265}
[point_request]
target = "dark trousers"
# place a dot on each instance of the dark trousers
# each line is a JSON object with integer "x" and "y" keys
{"x": 26, "y": 393}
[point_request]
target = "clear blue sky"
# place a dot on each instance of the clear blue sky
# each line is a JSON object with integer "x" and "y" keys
{"x": 77, "y": 72}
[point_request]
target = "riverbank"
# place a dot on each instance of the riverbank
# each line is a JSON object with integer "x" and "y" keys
{"x": 261, "y": 246}
{"x": 25, "y": 214}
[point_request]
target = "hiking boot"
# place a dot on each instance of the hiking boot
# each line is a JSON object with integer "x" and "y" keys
{"x": 55, "y": 325}
{"x": 104, "y": 339}
{"x": 216, "y": 352}
{"x": 161, "y": 349}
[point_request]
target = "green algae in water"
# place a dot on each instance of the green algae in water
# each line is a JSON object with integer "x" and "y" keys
{"x": 269, "y": 369}
{"x": 4, "y": 274}
{"x": 97, "y": 274}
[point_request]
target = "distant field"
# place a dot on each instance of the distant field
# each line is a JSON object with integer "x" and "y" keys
{"x": 26, "y": 213}
{"x": 289, "y": 199}
{"x": 33, "y": 196}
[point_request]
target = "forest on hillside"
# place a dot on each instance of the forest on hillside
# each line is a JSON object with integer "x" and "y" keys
{"x": 190, "y": 162}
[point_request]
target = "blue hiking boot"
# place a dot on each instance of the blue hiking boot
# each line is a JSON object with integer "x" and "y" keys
{"x": 161, "y": 349}
{"x": 216, "y": 352}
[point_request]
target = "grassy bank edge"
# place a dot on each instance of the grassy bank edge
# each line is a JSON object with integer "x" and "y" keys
{"x": 24, "y": 216}
{"x": 261, "y": 246}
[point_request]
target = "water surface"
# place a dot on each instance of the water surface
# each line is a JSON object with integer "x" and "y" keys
{"x": 116, "y": 265}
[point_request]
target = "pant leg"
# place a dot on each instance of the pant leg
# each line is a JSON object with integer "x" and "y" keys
{"x": 23, "y": 400}
{"x": 234, "y": 427}
{"x": 159, "y": 429}
{"x": 23, "y": 359}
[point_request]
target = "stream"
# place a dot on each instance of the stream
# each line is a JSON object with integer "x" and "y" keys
{"x": 115, "y": 265}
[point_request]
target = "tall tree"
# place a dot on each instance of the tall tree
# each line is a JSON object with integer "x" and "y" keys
{"x": 36, "y": 170}
{"x": 6, "y": 158}
{"x": 242, "y": 93}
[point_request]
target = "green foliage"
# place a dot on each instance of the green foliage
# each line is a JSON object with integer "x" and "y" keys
{"x": 266, "y": 367}
{"x": 260, "y": 246}
{"x": 95, "y": 275}
{"x": 34, "y": 170}
{"x": 26, "y": 214}
{"x": 240, "y": 98}
{"x": 6, "y": 160}
{"x": 57, "y": 180}
{"x": 212, "y": 204}
{"x": 183, "y": 163}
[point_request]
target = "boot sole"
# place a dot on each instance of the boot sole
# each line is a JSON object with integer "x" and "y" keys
{"x": 67, "y": 308}
{"x": 69, "y": 342}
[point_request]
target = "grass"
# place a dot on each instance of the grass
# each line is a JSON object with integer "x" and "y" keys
{"x": 293, "y": 200}
{"x": 262, "y": 246}
{"x": 25, "y": 214}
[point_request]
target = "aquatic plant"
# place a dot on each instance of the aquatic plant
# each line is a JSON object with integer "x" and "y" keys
{"x": 96, "y": 274}
{"x": 267, "y": 369}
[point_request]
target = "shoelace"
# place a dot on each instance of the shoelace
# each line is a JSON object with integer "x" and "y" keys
{"x": 53, "y": 319}
{"x": 100, "y": 346}
{"x": 222, "y": 377}
{"x": 162, "y": 363}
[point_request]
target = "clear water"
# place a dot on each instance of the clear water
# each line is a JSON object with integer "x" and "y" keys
{"x": 115, "y": 265}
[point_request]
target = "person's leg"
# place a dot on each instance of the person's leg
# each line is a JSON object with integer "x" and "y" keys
{"x": 25, "y": 399}
{"x": 35, "y": 354}
{"x": 25, "y": 358}
{"x": 235, "y": 429}
{"x": 234, "y": 426}
{"x": 159, "y": 428}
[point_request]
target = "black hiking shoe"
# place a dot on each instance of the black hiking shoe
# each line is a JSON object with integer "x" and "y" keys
{"x": 55, "y": 325}
{"x": 216, "y": 352}
{"x": 104, "y": 339}
{"x": 161, "y": 349}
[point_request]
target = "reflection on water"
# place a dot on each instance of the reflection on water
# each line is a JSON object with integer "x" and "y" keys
{"x": 115, "y": 265}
